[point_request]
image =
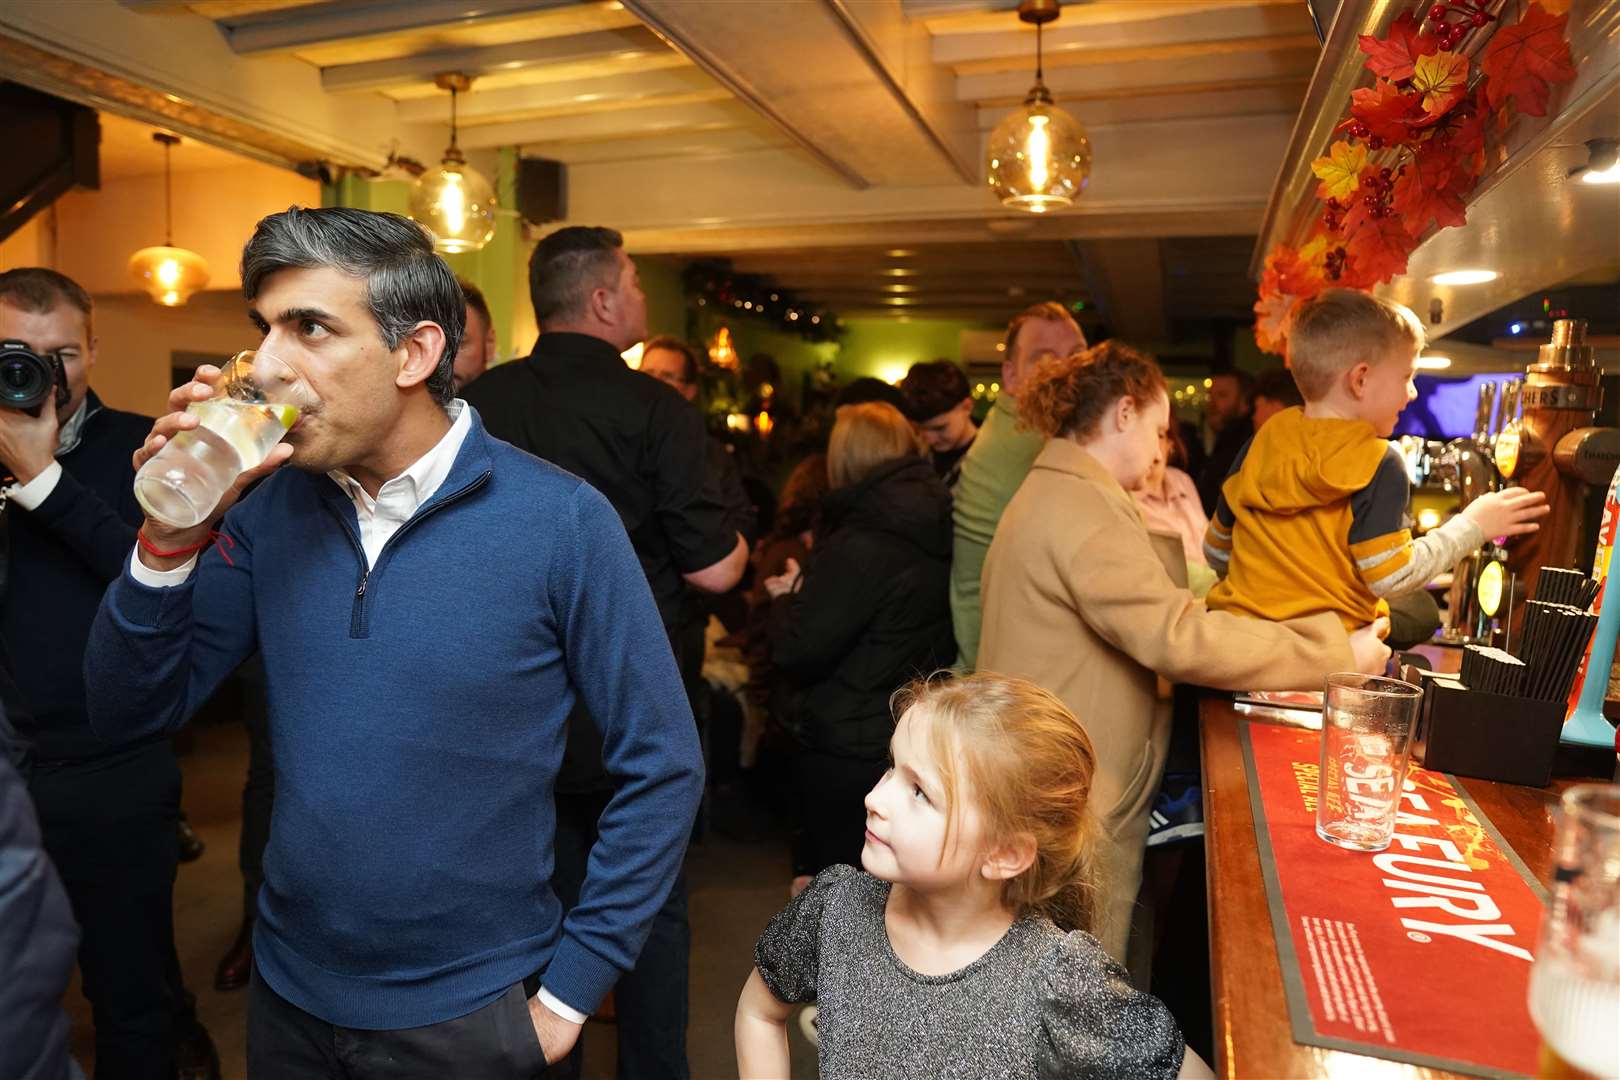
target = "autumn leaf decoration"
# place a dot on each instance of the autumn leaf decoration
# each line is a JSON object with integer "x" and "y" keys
{"x": 1525, "y": 59}
{"x": 1414, "y": 145}
{"x": 1340, "y": 171}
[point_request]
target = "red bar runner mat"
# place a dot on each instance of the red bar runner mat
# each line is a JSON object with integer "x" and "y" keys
{"x": 1420, "y": 953}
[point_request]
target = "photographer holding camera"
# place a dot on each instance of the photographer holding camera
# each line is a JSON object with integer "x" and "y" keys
{"x": 107, "y": 810}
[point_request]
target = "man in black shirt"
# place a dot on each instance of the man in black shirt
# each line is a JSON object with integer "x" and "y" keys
{"x": 576, "y": 403}
{"x": 107, "y": 809}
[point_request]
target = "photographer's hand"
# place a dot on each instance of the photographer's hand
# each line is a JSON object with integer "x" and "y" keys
{"x": 27, "y": 443}
{"x": 165, "y": 537}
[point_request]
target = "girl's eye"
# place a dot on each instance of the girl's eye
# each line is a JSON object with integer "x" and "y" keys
{"x": 918, "y": 793}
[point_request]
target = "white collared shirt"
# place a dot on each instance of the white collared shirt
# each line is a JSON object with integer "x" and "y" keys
{"x": 401, "y": 497}
{"x": 380, "y": 518}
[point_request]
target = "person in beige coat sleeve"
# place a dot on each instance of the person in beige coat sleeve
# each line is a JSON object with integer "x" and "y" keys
{"x": 1081, "y": 599}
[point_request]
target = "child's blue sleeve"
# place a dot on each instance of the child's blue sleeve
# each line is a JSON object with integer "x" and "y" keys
{"x": 1218, "y": 537}
{"x": 1380, "y": 542}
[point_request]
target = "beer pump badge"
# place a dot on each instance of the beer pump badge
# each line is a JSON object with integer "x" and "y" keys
{"x": 1420, "y": 953}
{"x": 1489, "y": 589}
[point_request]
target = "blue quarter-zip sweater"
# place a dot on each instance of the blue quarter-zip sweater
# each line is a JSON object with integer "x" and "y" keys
{"x": 417, "y": 720}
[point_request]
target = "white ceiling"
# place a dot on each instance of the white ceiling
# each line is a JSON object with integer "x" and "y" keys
{"x": 128, "y": 150}
{"x": 805, "y": 136}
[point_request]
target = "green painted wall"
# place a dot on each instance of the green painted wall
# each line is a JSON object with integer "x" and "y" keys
{"x": 666, "y": 296}
{"x": 886, "y": 348}
{"x": 493, "y": 268}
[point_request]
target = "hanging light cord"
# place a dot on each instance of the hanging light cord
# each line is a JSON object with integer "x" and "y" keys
{"x": 452, "y": 118}
{"x": 168, "y": 198}
{"x": 1039, "y": 74}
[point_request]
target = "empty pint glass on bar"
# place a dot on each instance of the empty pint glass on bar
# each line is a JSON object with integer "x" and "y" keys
{"x": 1366, "y": 741}
{"x": 1575, "y": 983}
{"x": 257, "y": 400}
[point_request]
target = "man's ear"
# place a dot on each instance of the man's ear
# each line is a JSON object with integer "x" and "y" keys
{"x": 418, "y": 354}
{"x": 1010, "y": 859}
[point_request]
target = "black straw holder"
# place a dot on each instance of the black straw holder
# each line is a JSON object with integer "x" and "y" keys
{"x": 1497, "y": 737}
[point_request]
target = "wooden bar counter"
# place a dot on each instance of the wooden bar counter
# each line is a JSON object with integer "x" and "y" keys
{"x": 1252, "y": 1034}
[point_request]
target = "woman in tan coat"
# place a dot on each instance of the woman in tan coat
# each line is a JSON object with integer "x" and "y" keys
{"x": 1081, "y": 599}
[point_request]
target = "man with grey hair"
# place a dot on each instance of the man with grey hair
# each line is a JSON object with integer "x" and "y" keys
{"x": 407, "y": 925}
{"x": 575, "y": 402}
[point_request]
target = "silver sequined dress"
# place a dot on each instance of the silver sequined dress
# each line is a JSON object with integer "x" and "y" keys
{"x": 1040, "y": 1003}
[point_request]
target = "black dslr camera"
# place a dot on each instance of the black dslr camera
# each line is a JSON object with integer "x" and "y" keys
{"x": 28, "y": 380}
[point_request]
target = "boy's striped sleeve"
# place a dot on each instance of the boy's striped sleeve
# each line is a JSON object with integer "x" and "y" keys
{"x": 1218, "y": 537}
{"x": 1389, "y": 561}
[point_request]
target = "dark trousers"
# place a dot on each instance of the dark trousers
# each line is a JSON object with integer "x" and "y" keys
{"x": 496, "y": 1042}
{"x": 650, "y": 1001}
{"x": 832, "y": 806}
{"x": 258, "y": 794}
{"x": 109, "y": 826}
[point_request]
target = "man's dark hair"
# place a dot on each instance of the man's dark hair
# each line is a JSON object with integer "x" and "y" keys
{"x": 475, "y": 300}
{"x": 567, "y": 265}
{"x": 406, "y": 282}
{"x": 1245, "y": 381}
{"x": 1276, "y": 384}
{"x": 36, "y": 290}
{"x": 933, "y": 387}
{"x": 688, "y": 355}
{"x": 865, "y": 389}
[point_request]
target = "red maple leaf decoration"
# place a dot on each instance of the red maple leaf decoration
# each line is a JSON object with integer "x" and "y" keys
{"x": 1388, "y": 112}
{"x": 1431, "y": 189}
{"x": 1376, "y": 248}
{"x": 1394, "y": 56}
{"x": 1522, "y": 61}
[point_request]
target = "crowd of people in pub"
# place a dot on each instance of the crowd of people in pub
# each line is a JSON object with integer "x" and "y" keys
{"x": 474, "y": 608}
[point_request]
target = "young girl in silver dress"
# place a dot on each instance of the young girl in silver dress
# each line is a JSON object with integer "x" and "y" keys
{"x": 960, "y": 950}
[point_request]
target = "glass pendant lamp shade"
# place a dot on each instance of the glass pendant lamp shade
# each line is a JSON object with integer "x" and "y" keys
{"x": 455, "y": 202}
{"x": 1039, "y": 156}
{"x": 169, "y": 274}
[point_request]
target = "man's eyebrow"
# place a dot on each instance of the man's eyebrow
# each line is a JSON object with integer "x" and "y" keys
{"x": 298, "y": 314}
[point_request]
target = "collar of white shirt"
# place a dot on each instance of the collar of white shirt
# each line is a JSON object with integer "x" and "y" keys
{"x": 406, "y": 492}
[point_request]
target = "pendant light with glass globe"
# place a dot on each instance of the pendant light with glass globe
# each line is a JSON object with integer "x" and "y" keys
{"x": 1038, "y": 158}
{"x": 169, "y": 274}
{"x": 454, "y": 201}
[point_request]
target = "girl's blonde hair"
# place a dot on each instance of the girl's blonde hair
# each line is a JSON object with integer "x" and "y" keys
{"x": 1030, "y": 766}
{"x": 865, "y": 436}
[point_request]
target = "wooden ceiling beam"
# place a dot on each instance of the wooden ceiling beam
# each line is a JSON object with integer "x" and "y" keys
{"x": 629, "y": 46}
{"x": 289, "y": 30}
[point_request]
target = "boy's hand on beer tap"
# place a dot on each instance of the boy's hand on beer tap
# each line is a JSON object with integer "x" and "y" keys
{"x": 1510, "y": 512}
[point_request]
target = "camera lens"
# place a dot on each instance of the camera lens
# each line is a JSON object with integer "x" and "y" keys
{"x": 26, "y": 380}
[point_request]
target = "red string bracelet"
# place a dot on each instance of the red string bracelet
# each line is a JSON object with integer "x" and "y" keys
{"x": 215, "y": 538}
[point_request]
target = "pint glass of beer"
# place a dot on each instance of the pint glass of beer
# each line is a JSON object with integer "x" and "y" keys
{"x": 1575, "y": 983}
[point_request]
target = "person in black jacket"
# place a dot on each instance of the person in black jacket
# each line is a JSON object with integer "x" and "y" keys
{"x": 37, "y": 933}
{"x": 107, "y": 809}
{"x": 870, "y": 612}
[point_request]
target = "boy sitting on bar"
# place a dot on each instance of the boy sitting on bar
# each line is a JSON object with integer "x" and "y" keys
{"x": 1312, "y": 516}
